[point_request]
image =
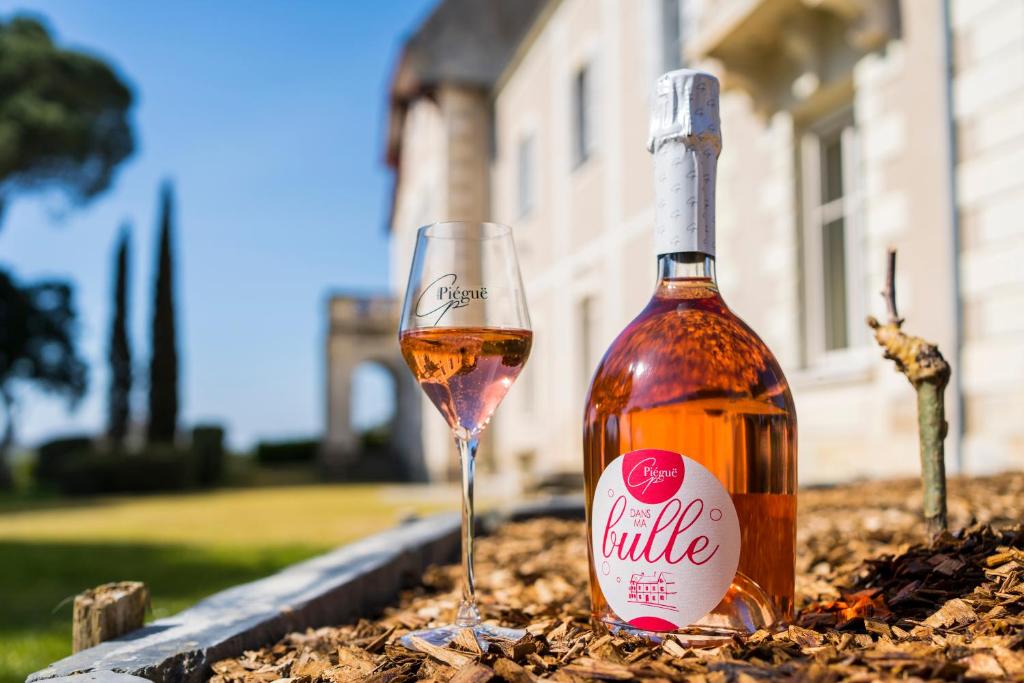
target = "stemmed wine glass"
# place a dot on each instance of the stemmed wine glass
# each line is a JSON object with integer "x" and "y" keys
{"x": 465, "y": 334}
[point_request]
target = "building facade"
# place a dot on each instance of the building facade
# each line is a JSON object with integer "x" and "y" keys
{"x": 849, "y": 126}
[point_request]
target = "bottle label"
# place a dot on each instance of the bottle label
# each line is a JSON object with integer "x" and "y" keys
{"x": 666, "y": 539}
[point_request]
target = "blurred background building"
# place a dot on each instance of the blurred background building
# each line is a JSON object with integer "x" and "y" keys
{"x": 361, "y": 331}
{"x": 849, "y": 126}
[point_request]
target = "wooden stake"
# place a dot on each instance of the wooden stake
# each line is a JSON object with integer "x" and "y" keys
{"x": 928, "y": 372}
{"x": 108, "y": 612}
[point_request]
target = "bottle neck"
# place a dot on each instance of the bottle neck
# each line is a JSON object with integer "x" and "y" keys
{"x": 684, "y": 194}
{"x": 686, "y": 265}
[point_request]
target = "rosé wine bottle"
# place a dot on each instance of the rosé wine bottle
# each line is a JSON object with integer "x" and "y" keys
{"x": 689, "y": 434}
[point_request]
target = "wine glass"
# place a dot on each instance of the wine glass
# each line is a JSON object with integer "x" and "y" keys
{"x": 465, "y": 334}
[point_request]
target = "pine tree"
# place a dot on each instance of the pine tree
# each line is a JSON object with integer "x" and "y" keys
{"x": 119, "y": 409}
{"x": 163, "y": 367}
{"x": 64, "y": 116}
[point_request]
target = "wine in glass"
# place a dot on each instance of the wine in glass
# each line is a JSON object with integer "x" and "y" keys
{"x": 465, "y": 334}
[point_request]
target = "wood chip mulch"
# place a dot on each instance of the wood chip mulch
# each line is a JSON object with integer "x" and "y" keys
{"x": 876, "y": 602}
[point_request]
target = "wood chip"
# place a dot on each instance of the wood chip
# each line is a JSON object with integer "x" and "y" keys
{"x": 466, "y": 639}
{"x": 593, "y": 668}
{"x": 955, "y": 611}
{"x": 473, "y": 673}
{"x": 446, "y": 655}
{"x": 876, "y": 601}
{"x": 512, "y": 672}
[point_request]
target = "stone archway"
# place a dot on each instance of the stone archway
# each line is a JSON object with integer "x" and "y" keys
{"x": 364, "y": 329}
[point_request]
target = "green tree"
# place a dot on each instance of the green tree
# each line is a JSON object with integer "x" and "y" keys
{"x": 63, "y": 126}
{"x": 37, "y": 326}
{"x": 120, "y": 354}
{"x": 163, "y": 365}
{"x": 63, "y": 116}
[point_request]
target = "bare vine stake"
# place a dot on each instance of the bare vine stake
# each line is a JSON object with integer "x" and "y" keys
{"x": 108, "y": 612}
{"x": 928, "y": 372}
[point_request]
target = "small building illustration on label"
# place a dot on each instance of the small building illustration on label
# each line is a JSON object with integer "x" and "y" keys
{"x": 654, "y": 591}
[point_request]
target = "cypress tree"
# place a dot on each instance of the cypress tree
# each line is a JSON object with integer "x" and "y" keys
{"x": 163, "y": 366}
{"x": 120, "y": 355}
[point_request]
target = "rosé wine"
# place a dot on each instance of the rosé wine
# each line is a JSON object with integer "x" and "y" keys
{"x": 466, "y": 371}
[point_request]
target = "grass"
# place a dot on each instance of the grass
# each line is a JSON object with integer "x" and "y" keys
{"x": 184, "y": 547}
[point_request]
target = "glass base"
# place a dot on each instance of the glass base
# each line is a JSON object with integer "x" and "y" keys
{"x": 441, "y": 636}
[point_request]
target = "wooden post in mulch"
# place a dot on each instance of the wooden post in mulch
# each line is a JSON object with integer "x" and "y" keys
{"x": 107, "y": 612}
{"x": 928, "y": 372}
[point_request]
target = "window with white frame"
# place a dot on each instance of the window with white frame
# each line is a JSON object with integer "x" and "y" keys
{"x": 525, "y": 174}
{"x": 833, "y": 295}
{"x": 586, "y": 335}
{"x": 582, "y": 114}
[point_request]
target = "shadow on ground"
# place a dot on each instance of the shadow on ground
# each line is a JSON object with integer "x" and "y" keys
{"x": 38, "y": 580}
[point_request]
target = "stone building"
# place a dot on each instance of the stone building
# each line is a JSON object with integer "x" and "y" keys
{"x": 360, "y": 330}
{"x": 849, "y": 125}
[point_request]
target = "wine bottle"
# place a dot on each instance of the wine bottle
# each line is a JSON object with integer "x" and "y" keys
{"x": 689, "y": 430}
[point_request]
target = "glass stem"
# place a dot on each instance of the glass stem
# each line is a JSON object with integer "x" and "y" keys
{"x": 468, "y": 614}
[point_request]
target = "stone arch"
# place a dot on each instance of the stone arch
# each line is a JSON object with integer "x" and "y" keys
{"x": 364, "y": 329}
{"x": 373, "y": 381}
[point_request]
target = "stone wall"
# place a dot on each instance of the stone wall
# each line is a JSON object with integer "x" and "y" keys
{"x": 988, "y": 104}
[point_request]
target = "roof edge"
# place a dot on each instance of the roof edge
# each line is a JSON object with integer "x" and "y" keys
{"x": 524, "y": 46}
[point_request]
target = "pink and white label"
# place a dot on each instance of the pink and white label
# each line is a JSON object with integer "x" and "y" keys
{"x": 666, "y": 539}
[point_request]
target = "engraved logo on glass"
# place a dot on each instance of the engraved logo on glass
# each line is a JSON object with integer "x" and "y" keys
{"x": 443, "y": 295}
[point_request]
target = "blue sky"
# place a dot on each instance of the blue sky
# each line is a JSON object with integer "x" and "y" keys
{"x": 268, "y": 117}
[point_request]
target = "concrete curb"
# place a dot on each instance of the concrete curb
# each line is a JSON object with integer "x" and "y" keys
{"x": 338, "y": 586}
{"x": 102, "y": 677}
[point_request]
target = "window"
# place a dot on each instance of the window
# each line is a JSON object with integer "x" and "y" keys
{"x": 583, "y": 116}
{"x": 833, "y": 243}
{"x": 526, "y": 176}
{"x": 833, "y": 294}
{"x": 671, "y": 36}
{"x": 587, "y": 321}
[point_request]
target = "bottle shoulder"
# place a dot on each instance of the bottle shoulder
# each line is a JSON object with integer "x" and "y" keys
{"x": 683, "y": 348}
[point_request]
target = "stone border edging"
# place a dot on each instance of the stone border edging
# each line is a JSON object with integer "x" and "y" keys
{"x": 337, "y": 586}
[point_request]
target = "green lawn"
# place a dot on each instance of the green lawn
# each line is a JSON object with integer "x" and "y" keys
{"x": 183, "y": 547}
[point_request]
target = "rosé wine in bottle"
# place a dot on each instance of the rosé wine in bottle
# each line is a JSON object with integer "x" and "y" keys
{"x": 689, "y": 433}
